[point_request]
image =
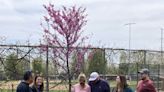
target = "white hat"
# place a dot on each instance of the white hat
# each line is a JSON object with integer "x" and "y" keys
{"x": 93, "y": 76}
{"x": 144, "y": 71}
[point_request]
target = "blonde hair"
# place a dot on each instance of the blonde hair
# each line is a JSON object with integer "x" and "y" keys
{"x": 82, "y": 75}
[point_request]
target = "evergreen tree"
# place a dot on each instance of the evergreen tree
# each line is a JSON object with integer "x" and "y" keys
{"x": 97, "y": 62}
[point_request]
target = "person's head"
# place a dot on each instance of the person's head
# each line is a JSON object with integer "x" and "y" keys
{"x": 38, "y": 82}
{"x": 82, "y": 79}
{"x": 28, "y": 77}
{"x": 144, "y": 74}
{"x": 121, "y": 81}
{"x": 94, "y": 77}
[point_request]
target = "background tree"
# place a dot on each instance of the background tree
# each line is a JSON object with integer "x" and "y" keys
{"x": 13, "y": 67}
{"x": 78, "y": 64}
{"x": 73, "y": 64}
{"x": 97, "y": 62}
{"x": 2, "y": 72}
{"x": 37, "y": 65}
{"x": 64, "y": 30}
{"x": 123, "y": 69}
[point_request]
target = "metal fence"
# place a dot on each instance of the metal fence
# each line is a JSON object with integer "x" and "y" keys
{"x": 119, "y": 61}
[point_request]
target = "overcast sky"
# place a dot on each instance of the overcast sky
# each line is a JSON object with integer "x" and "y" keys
{"x": 20, "y": 20}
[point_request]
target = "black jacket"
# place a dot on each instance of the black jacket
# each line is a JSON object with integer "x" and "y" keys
{"x": 34, "y": 89}
{"x": 23, "y": 87}
{"x": 100, "y": 86}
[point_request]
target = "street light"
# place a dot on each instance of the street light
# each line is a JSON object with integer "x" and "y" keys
{"x": 161, "y": 45}
{"x": 129, "y": 25}
{"x": 159, "y": 68}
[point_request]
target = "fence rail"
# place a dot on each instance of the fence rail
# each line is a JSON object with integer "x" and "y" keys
{"x": 117, "y": 62}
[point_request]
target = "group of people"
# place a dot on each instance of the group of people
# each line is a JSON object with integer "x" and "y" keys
{"x": 37, "y": 83}
{"x": 95, "y": 84}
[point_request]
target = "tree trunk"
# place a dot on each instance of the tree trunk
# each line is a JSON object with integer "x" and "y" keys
{"x": 68, "y": 70}
{"x": 47, "y": 82}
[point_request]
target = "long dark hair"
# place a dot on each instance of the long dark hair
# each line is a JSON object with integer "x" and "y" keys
{"x": 35, "y": 84}
{"x": 123, "y": 83}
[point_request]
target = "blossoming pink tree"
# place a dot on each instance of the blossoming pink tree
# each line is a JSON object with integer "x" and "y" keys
{"x": 63, "y": 31}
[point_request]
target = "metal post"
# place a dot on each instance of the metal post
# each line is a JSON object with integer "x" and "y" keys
{"x": 129, "y": 24}
{"x": 137, "y": 73}
{"x": 144, "y": 58}
{"x": 30, "y": 66}
{"x": 158, "y": 76}
{"x": 40, "y": 42}
{"x": 161, "y": 56}
{"x": 161, "y": 45}
{"x": 104, "y": 57}
{"x": 47, "y": 82}
{"x": 30, "y": 63}
{"x": 129, "y": 59}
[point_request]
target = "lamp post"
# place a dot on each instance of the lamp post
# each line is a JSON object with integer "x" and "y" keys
{"x": 129, "y": 25}
{"x": 161, "y": 45}
{"x": 159, "y": 68}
